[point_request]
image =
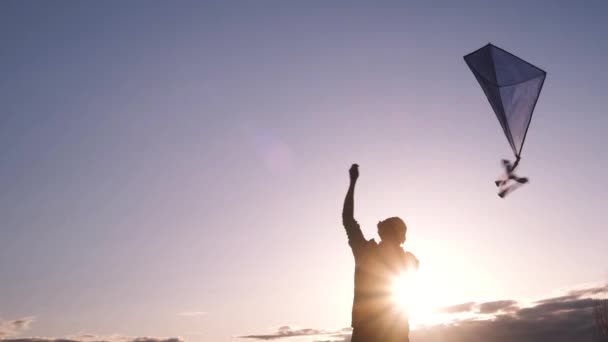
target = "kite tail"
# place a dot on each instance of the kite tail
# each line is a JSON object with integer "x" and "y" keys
{"x": 504, "y": 184}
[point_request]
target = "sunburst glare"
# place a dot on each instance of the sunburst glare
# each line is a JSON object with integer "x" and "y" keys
{"x": 423, "y": 294}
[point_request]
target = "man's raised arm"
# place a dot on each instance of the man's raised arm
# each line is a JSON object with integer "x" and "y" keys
{"x": 353, "y": 231}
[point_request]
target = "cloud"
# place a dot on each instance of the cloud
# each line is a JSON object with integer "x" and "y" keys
{"x": 559, "y": 306}
{"x": 340, "y": 337}
{"x": 464, "y": 307}
{"x": 499, "y": 305}
{"x": 192, "y": 313}
{"x": 564, "y": 318}
{"x": 10, "y": 328}
{"x": 95, "y": 338}
{"x": 589, "y": 291}
{"x": 287, "y": 331}
{"x": 337, "y": 338}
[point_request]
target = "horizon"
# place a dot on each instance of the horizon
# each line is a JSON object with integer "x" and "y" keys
{"x": 176, "y": 170}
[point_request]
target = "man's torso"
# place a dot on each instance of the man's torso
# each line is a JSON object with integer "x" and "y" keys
{"x": 375, "y": 312}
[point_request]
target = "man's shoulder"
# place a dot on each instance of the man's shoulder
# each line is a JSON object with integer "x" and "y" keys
{"x": 371, "y": 244}
{"x": 410, "y": 260}
{"x": 367, "y": 247}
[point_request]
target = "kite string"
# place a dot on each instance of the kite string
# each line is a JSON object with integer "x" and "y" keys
{"x": 514, "y": 166}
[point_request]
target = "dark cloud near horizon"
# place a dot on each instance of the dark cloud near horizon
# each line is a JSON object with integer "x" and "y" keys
{"x": 507, "y": 306}
{"x": 287, "y": 331}
{"x": 499, "y": 305}
{"x": 558, "y": 319}
{"x": 589, "y": 291}
{"x": 552, "y": 321}
{"x": 464, "y": 307}
{"x": 89, "y": 338}
{"x": 10, "y": 328}
{"x": 577, "y": 293}
{"x": 556, "y": 307}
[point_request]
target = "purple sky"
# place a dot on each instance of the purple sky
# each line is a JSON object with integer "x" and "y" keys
{"x": 160, "y": 158}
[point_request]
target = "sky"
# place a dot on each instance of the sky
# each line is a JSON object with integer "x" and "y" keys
{"x": 177, "y": 169}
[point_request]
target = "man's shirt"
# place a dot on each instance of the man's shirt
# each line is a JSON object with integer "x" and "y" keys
{"x": 377, "y": 266}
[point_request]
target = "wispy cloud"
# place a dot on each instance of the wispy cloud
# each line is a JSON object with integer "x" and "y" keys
{"x": 464, "y": 307}
{"x": 287, "y": 331}
{"x": 499, "y": 305}
{"x": 9, "y": 328}
{"x": 95, "y": 338}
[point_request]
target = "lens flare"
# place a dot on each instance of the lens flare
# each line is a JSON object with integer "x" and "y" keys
{"x": 417, "y": 299}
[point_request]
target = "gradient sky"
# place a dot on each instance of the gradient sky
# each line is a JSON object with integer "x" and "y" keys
{"x": 158, "y": 158}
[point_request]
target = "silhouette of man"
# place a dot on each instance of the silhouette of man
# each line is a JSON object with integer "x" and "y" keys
{"x": 375, "y": 316}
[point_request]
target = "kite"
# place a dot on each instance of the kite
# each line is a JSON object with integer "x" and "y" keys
{"x": 512, "y": 87}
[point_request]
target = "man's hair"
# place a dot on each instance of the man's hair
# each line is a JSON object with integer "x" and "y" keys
{"x": 392, "y": 228}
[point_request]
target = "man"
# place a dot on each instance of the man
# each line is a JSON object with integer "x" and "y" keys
{"x": 375, "y": 316}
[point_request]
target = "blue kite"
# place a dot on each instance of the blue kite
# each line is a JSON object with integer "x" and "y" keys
{"x": 512, "y": 87}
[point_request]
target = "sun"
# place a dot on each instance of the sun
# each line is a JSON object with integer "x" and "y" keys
{"x": 420, "y": 297}
{"x": 412, "y": 297}
{"x": 405, "y": 292}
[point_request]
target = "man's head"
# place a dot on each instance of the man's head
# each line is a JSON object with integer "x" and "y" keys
{"x": 392, "y": 230}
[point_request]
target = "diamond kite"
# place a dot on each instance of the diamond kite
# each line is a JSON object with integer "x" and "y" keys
{"x": 512, "y": 87}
